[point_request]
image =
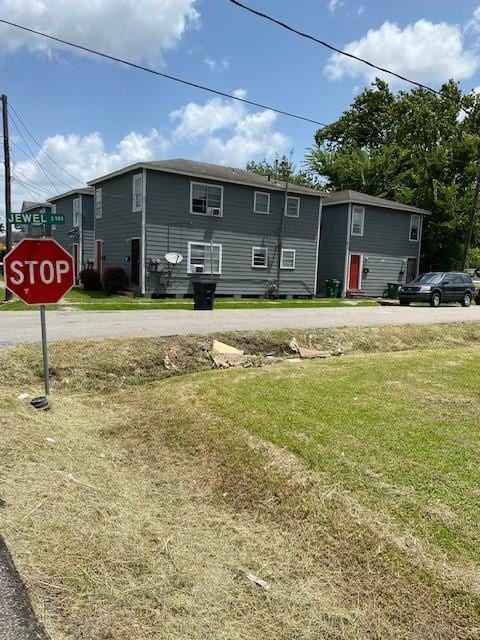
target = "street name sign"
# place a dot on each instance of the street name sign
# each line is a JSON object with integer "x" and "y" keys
{"x": 39, "y": 271}
{"x": 35, "y": 217}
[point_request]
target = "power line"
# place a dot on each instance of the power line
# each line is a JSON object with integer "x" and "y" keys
{"x": 42, "y": 149}
{"x": 189, "y": 83}
{"x": 284, "y": 25}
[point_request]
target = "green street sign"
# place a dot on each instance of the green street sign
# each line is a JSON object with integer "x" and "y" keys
{"x": 35, "y": 217}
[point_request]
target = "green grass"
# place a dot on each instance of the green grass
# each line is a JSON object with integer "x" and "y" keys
{"x": 399, "y": 432}
{"x": 77, "y": 298}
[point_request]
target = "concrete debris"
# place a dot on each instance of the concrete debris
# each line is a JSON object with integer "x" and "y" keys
{"x": 293, "y": 344}
{"x": 222, "y": 348}
{"x": 312, "y": 353}
{"x": 168, "y": 364}
{"x": 257, "y": 581}
{"x": 225, "y": 361}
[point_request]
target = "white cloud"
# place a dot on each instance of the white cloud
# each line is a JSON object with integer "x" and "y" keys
{"x": 83, "y": 157}
{"x": 424, "y": 51}
{"x": 126, "y": 28}
{"x": 227, "y": 133}
{"x": 215, "y": 64}
{"x": 474, "y": 24}
{"x": 333, "y": 5}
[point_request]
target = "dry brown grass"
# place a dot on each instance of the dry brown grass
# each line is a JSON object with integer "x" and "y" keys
{"x": 139, "y": 521}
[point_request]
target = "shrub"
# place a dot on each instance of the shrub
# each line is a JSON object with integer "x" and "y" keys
{"x": 114, "y": 280}
{"x": 90, "y": 278}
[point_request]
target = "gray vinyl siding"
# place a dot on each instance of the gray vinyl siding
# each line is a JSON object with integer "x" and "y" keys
{"x": 385, "y": 245}
{"x": 118, "y": 223}
{"x": 86, "y": 238}
{"x": 333, "y": 240}
{"x": 170, "y": 226}
{"x": 37, "y": 230}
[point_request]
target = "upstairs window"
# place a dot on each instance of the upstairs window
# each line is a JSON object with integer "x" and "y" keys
{"x": 262, "y": 202}
{"x": 293, "y": 207}
{"x": 260, "y": 257}
{"x": 137, "y": 192}
{"x": 414, "y": 227}
{"x": 76, "y": 212}
{"x": 204, "y": 257}
{"x": 206, "y": 199}
{"x": 288, "y": 259}
{"x": 98, "y": 203}
{"x": 53, "y": 212}
{"x": 358, "y": 220}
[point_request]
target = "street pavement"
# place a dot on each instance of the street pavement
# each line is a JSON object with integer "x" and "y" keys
{"x": 24, "y": 326}
{"x": 17, "y": 620}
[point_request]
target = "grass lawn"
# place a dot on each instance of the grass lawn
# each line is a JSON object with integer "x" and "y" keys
{"x": 138, "y": 506}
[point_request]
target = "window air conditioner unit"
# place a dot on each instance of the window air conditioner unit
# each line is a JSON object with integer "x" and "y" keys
{"x": 198, "y": 268}
{"x": 214, "y": 211}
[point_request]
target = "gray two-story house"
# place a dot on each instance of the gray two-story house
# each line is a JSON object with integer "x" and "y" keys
{"x": 77, "y": 235}
{"x": 171, "y": 222}
{"x": 35, "y": 229}
{"x": 367, "y": 242}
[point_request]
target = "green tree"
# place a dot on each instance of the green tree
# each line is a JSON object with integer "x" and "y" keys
{"x": 412, "y": 146}
{"x": 282, "y": 169}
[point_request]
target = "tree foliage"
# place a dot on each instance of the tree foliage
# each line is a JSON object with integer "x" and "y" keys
{"x": 283, "y": 169}
{"x": 412, "y": 146}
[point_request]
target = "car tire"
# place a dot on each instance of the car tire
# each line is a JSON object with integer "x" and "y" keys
{"x": 436, "y": 299}
{"x": 466, "y": 300}
{"x": 404, "y": 303}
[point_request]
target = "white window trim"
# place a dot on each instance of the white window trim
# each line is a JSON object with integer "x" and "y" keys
{"x": 260, "y": 266}
{"x": 98, "y": 209}
{"x": 298, "y": 207}
{"x": 205, "y": 184}
{"x": 77, "y": 213}
{"x": 415, "y": 215}
{"x": 357, "y": 209}
{"x": 294, "y": 259}
{"x": 135, "y": 178}
{"x": 262, "y": 193}
{"x": 205, "y": 244}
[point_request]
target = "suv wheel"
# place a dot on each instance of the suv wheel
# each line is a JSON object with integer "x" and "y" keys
{"x": 435, "y": 300}
{"x": 467, "y": 299}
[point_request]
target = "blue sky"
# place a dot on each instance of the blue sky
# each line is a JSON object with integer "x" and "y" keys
{"x": 93, "y": 116}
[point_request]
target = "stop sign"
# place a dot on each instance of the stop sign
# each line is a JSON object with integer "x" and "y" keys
{"x": 39, "y": 271}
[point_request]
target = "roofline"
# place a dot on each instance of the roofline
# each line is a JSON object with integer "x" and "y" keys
{"x": 388, "y": 204}
{"x": 293, "y": 188}
{"x": 37, "y": 205}
{"x": 87, "y": 191}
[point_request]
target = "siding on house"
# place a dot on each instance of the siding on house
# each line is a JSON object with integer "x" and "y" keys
{"x": 86, "y": 235}
{"x": 331, "y": 255}
{"x": 169, "y": 227}
{"x": 36, "y": 230}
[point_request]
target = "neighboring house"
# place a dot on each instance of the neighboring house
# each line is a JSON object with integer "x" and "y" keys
{"x": 77, "y": 235}
{"x": 35, "y": 230}
{"x": 366, "y": 242}
{"x": 226, "y": 224}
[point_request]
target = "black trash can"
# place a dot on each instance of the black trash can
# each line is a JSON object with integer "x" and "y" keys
{"x": 204, "y": 295}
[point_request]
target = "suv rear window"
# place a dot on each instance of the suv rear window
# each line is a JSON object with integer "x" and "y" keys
{"x": 467, "y": 279}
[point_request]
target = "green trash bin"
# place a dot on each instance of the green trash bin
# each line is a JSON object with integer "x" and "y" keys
{"x": 392, "y": 290}
{"x": 333, "y": 288}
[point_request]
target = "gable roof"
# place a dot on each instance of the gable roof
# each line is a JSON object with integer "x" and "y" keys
{"x": 87, "y": 191}
{"x": 29, "y": 206}
{"x": 341, "y": 197}
{"x": 205, "y": 170}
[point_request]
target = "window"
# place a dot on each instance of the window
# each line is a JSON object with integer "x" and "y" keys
{"x": 137, "y": 192}
{"x": 204, "y": 257}
{"x": 293, "y": 207}
{"x": 288, "y": 259}
{"x": 98, "y": 203}
{"x": 414, "y": 227}
{"x": 260, "y": 257}
{"x": 262, "y": 202}
{"x": 76, "y": 212}
{"x": 206, "y": 199}
{"x": 358, "y": 219}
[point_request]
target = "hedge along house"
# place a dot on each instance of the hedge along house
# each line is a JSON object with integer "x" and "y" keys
{"x": 240, "y": 229}
{"x": 36, "y": 229}
{"x": 367, "y": 242}
{"x": 77, "y": 235}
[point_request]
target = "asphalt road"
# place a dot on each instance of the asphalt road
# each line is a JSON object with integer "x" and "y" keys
{"x": 24, "y": 326}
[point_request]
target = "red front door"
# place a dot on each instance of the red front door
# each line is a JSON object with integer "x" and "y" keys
{"x": 354, "y": 275}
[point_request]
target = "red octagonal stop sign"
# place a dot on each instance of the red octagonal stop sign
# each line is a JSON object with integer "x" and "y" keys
{"x": 39, "y": 271}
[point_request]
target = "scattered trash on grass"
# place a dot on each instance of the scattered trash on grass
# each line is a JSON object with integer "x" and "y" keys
{"x": 257, "y": 581}
{"x": 50, "y": 440}
{"x": 23, "y": 396}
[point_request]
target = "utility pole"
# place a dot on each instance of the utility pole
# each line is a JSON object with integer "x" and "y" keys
{"x": 280, "y": 232}
{"x": 471, "y": 224}
{"x": 8, "y": 185}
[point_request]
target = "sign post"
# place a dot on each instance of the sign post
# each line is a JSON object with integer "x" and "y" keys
{"x": 39, "y": 271}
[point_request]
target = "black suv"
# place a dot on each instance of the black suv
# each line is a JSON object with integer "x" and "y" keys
{"x": 438, "y": 287}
